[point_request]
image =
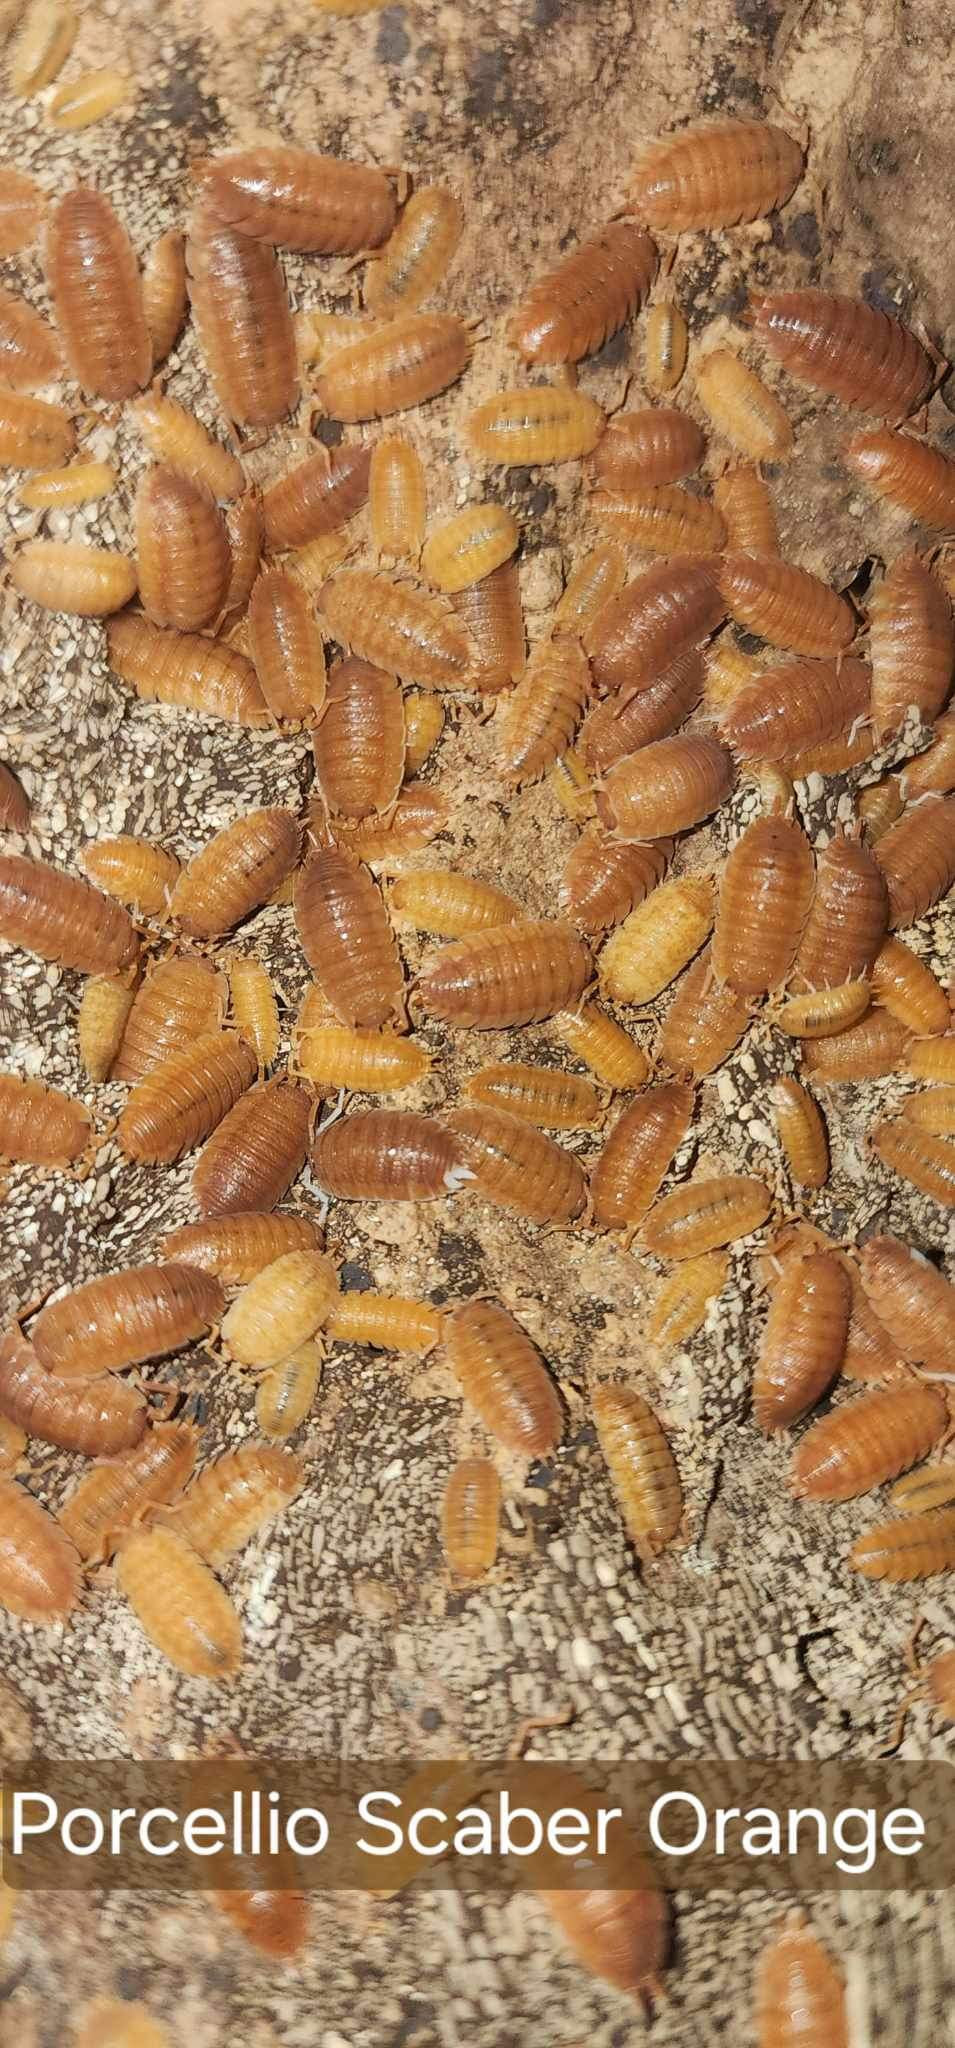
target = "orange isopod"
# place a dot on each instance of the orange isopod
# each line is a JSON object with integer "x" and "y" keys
{"x": 599, "y": 576}
{"x": 704, "y": 1215}
{"x": 540, "y": 716}
{"x": 331, "y": 1055}
{"x": 503, "y": 1377}
{"x": 640, "y": 450}
{"x": 400, "y": 363}
{"x": 516, "y": 1166}
{"x": 681, "y": 1306}
{"x": 101, "y": 1020}
{"x": 617, "y": 1932}
{"x": 715, "y": 175}
{"x": 794, "y": 705}
{"x": 666, "y": 787}
{"x": 241, "y": 308}
{"x": 469, "y": 546}
{"x": 573, "y": 309}
{"x": 665, "y": 521}
{"x": 396, "y": 627}
{"x": 298, "y": 199}
{"x": 45, "y": 36}
{"x": 493, "y": 621}
{"x": 67, "y": 576}
{"x": 704, "y": 1022}
{"x": 179, "y": 441}
{"x": 424, "y": 725}
{"x": 913, "y": 1547}
{"x": 907, "y": 988}
{"x": 177, "y": 1103}
{"x": 804, "y": 1339}
{"x": 931, "y": 773}
{"x": 470, "y": 1518}
{"x": 29, "y": 350}
{"x": 785, "y": 605}
{"x": 41, "y": 1126}
{"x": 347, "y": 939}
{"x": 121, "y": 1493}
{"x": 14, "y": 802}
{"x": 22, "y": 203}
{"x": 917, "y": 858}
{"x": 239, "y": 869}
{"x": 89, "y": 98}
{"x": 286, "y": 646}
{"x": 926, "y": 1161}
{"x": 281, "y": 1308}
{"x": 256, "y": 1152}
{"x": 642, "y": 1468}
{"x": 604, "y": 879}
{"x": 666, "y": 343}
{"x": 453, "y": 905}
{"x": 39, "y": 1568}
{"x": 135, "y": 871}
{"x": 541, "y": 1095}
{"x": 286, "y": 1392}
{"x": 33, "y": 434}
{"x": 387, "y": 1322}
{"x": 621, "y": 724}
{"x": 826, "y": 1014}
{"x": 359, "y": 740}
{"x": 180, "y": 1000}
{"x": 125, "y": 1318}
{"x": 841, "y": 345}
{"x": 397, "y": 498}
{"x": 77, "y": 483}
{"x": 182, "y": 551}
{"x": 742, "y": 408}
{"x": 61, "y": 918}
{"x": 802, "y": 1132}
{"x": 97, "y": 1417}
{"x": 417, "y": 254}
{"x": 911, "y": 644}
{"x": 744, "y": 501}
{"x": 604, "y": 1046}
{"x": 97, "y": 295}
{"x": 571, "y": 786}
{"x": 932, "y": 1059}
{"x": 800, "y": 1997}
{"x": 860, "y": 1052}
{"x": 386, "y": 1155}
{"x": 236, "y": 1248}
{"x": 882, "y": 803}
{"x": 913, "y": 1301}
{"x": 909, "y": 473}
{"x": 187, "y": 670}
{"x": 933, "y": 1109}
{"x": 656, "y": 941}
{"x": 640, "y": 1147}
{"x": 233, "y": 1499}
{"x": 255, "y": 1010}
{"x": 421, "y": 812}
{"x": 847, "y": 919}
{"x": 764, "y": 900}
{"x": 868, "y": 1440}
{"x": 660, "y": 615}
{"x": 165, "y": 292}
{"x": 538, "y": 424}
{"x": 179, "y": 1605}
{"x": 513, "y": 974}
{"x": 317, "y": 497}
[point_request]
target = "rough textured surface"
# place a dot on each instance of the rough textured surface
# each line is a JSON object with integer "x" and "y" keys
{"x": 753, "y": 1635}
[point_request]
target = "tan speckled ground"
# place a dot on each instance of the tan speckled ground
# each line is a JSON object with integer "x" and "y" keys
{"x": 754, "y": 1636}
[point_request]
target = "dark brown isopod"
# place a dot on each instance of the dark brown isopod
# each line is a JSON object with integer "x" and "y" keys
{"x": 241, "y": 308}
{"x": 97, "y": 1417}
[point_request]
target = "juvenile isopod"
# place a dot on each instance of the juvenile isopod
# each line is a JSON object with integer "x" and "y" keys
{"x": 539, "y": 424}
{"x": 238, "y": 870}
{"x": 516, "y": 1166}
{"x": 785, "y": 605}
{"x": 62, "y": 918}
{"x": 666, "y": 787}
{"x": 932, "y": 1059}
{"x": 860, "y": 1052}
{"x": 359, "y": 740}
{"x": 880, "y": 805}
{"x": 742, "y": 408}
{"x": 930, "y": 774}
{"x": 917, "y": 858}
{"x": 182, "y": 552}
{"x": 640, "y": 450}
{"x": 418, "y": 252}
{"x": 933, "y": 1109}
{"x": 179, "y": 1605}
{"x": 186, "y": 670}
{"x": 513, "y": 974}
{"x": 298, "y": 199}
{"x": 317, "y": 497}
{"x": 388, "y": 1322}
{"x": 932, "y": 1486}
{"x": 334, "y": 1055}
{"x": 793, "y": 705}
{"x": 424, "y": 724}
{"x": 503, "y": 1377}
{"x": 868, "y": 1440}
{"x": 604, "y": 879}
{"x": 681, "y": 1305}
{"x": 804, "y": 1339}
{"x": 637, "y": 1153}
{"x": 68, "y": 576}
{"x": 125, "y": 1318}
{"x": 233, "y": 1498}
{"x": 241, "y": 308}
{"x": 29, "y": 350}
{"x": 396, "y": 627}
{"x": 256, "y": 1152}
{"x": 178, "y": 1102}
{"x": 421, "y": 812}
{"x": 664, "y": 521}
{"x": 286, "y": 1393}
{"x": 400, "y": 363}
{"x": 704, "y": 1215}
{"x": 117, "y": 2023}
{"x": 97, "y": 1417}
{"x": 800, "y": 1997}
{"x": 386, "y": 1155}
{"x": 440, "y": 900}
{"x": 705, "y": 1021}
{"x": 843, "y": 346}
{"x": 33, "y": 434}
{"x": 573, "y": 309}
{"x": 397, "y": 498}
{"x": 666, "y": 342}
{"x": 911, "y": 644}
{"x": 235, "y": 1248}
{"x": 41, "y": 1126}
{"x": 909, "y": 473}
{"x": 912, "y": 1300}
{"x": 764, "y": 898}
{"x": 39, "y": 1568}
{"x": 179, "y": 441}
{"x": 660, "y": 615}
{"x": 135, "y": 871}
{"x": 492, "y": 618}
{"x": 119, "y": 1494}
{"x": 469, "y": 546}
{"x": 715, "y": 175}
{"x": 642, "y": 1468}
{"x": 572, "y": 787}
{"x": 280, "y": 1308}
{"x": 97, "y": 296}
{"x": 14, "y": 802}
{"x": 347, "y": 938}
{"x": 44, "y": 40}
{"x": 180, "y": 1000}
{"x": 255, "y": 1010}
{"x": 541, "y": 1095}
{"x": 744, "y": 501}
{"x": 91, "y": 97}
{"x": 470, "y": 1518}
{"x": 604, "y": 1046}
{"x": 656, "y": 941}
{"x": 540, "y": 715}
{"x": 620, "y": 724}
{"x": 802, "y": 1132}
{"x": 77, "y": 483}
{"x": 927, "y": 1162}
{"x": 22, "y": 202}
{"x": 913, "y": 1547}
{"x": 101, "y": 1020}
{"x": 165, "y": 292}
{"x": 823, "y": 1014}
{"x": 907, "y": 988}
{"x": 598, "y": 577}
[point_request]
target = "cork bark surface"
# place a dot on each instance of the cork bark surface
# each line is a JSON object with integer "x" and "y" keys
{"x": 750, "y": 1636}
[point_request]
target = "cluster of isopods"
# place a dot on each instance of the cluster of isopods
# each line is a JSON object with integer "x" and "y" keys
{"x": 642, "y": 718}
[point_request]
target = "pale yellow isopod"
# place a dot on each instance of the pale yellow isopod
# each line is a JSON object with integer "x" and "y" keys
{"x": 743, "y": 408}
{"x": 470, "y": 546}
{"x": 658, "y": 939}
{"x": 78, "y": 483}
{"x": 665, "y": 347}
{"x": 604, "y": 1046}
{"x": 287, "y": 1392}
{"x": 255, "y": 1010}
{"x": 680, "y": 1307}
{"x": 424, "y": 724}
{"x": 45, "y": 39}
{"x": 89, "y": 98}
{"x": 397, "y": 498}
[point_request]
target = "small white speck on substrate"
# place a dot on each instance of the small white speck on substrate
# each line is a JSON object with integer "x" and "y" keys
{"x": 761, "y": 1132}
{"x": 584, "y": 1655}
{"x": 627, "y": 1630}
{"x": 392, "y": 1471}
{"x": 606, "y": 1572}
{"x": 557, "y": 1551}
{"x": 726, "y": 1089}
